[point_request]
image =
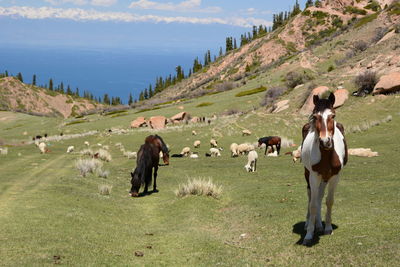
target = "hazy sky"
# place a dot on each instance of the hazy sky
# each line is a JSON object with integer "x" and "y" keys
{"x": 132, "y": 24}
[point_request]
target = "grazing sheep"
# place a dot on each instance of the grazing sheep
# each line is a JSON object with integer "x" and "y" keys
{"x": 43, "y": 147}
{"x": 103, "y": 155}
{"x": 3, "y": 151}
{"x": 234, "y": 150}
{"x": 213, "y": 143}
{"x": 244, "y": 148}
{"x": 98, "y": 144}
{"x": 215, "y": 152}
{"x": 296, "y": 154}
{"x": 246, "y": 132}
{"x": 362, "y": 152}
{"x": 130, "y": 155}
{"x": 194, "y": 156}
{"x": 196, "y": 144}
{"x": 185, "y": 151}
{"x": 105, "y": 147}
{"x": 251, "y": 165}
{"x": 194, "y": 132}
{"x": 70, "y": 149}
{"x": 273, "y": 154}
{"x": 86, "y": 143}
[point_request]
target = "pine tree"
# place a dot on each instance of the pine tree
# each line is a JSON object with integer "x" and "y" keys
{"x": 220, "y": 52}
{"x": 76, "y": 91}
{"x": 296, "y": 9}
{"x": 6, "y": 73}
{"x": 209, "y": 57}
{"x": 106, "y": 99}
{"x": 234, "y": 44}
{"x": 34, "y": 80}
{"x": 51, "y": 84}
{"x": 141, "y": 96}
{"x": 309, "y": 3}
{"x": 19, "y": 77}
{"x": 130, "y": 101}
{"x": 317, "y": 3}
{"x": 151, "y": 93}
{"x": 69, "y": 91}
{"x": 62, "y": 87}
{"x": 145, "y": 94}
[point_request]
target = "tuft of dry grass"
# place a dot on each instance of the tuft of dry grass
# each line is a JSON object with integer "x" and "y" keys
{"x": 368, "y": 124}
{"x": 86, "y": 166}
{"x": 3, "y": 151}
{"x": 199, "y": 187}
{"x": 102, "y": 173}
{"x": 104, "y": 155}
{"x": 105, "y": 190}
{"x": 87, "y": 152}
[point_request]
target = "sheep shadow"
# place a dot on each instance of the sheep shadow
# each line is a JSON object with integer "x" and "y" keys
{"x": 298, "y": 228}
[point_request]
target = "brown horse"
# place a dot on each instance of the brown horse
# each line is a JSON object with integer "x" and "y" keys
{"x": 270, "y": 141}
{"x": 147, "y": 159}
{"x": 159, "y": 144}
{"x": 324, "y": 154}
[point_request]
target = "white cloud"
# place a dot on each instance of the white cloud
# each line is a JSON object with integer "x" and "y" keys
{"x": 254, "y": 11}
{"x": 75, "y": 2}
{"x": 188, "y": 5}
{"x": 79, "y": 14}
{"x": 103, "y": 2}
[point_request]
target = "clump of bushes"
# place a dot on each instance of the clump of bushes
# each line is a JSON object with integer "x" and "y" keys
{"x": 379, "y": 33}
{"x": 75, "y": 122}
{"x": 104, "y": 155}
{"x": 86, "y": 166}
{"x": 199, "y": 187}
{"x": 204, "y": 104}
{"x": 222, "y": 87}
{"x": 105, "y": 190}
{"x": 331, "y": 68}
{"x": 360, "y": 46}
{"x": 365, "y": 83}
{"x": 293, "y": 79}
{"x": 354, "y": 10}
{"x": 251, "y": 91}
{"x": 103, "y": 173}
{"x": 271, "y": 95}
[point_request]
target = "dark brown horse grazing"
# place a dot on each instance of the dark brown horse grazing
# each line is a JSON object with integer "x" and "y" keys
{"x": 159, "y": 144}
{"x": 324, "y": 154}
{"x": 270, "y": 141}
{"x": 147, "y": 159}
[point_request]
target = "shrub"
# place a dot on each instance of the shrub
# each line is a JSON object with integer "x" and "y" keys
{"x": 105, "y": 190}
{"x": 199, "y": 187}
{"x": 354, "y": 10}
{"x": 204, "y": 104}
{"x": 331, "y": 68}
{"x": 75, "y": 122}
{"x": 225, "y": 86}
{"x": 251, "y": 91}
{"x": 360, "y": 46}
{"x": 102, "y": 174}
{"x": 378, "y": 35}
{"x": 271, "y": 95}
{"x": 293, "y": 79}
{"x": 365, "y": 82}
{"x": 374, "y": 6}
{"x": 231, "y": 112}
{"x": 87, "y": 152}
{"x": 86, "y": 166}
{"x": 365, "y": 20}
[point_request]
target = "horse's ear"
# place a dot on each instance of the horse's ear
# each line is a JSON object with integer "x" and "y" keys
{"x": 315, "y": 99}
{"x": 331, "y": 98}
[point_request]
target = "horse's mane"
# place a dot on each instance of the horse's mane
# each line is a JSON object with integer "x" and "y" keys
{"x": 164, "y": 147}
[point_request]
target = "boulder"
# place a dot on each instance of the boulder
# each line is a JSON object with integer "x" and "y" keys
{"x": 179, "y": 117}
{"x": 387, "y": 84}
{"x": 139, "y": 122}
{"x": 280, "y": 106}
{"x": 195, "y": 119}
{"x": 341, "y": 95}
{"x": 308, "y": 106}
{"x": 157, "y": 122}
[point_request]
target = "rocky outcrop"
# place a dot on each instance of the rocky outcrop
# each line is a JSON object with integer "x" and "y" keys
{"x": 280, "y": 106}
{"x": 138, "y": 122}
{"x": 341, "y": 95}
{"x": 308, "y": 106}
{"x": 179, "y": 117}
{"x": 157, "y": 122}
{"x": 388, "y": 84}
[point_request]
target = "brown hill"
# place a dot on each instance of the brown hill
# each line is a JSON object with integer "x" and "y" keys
{"x": 17, "y": 96}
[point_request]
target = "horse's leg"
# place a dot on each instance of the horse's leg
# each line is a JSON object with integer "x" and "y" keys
{"x": 318, "y": 221}
{"x": 307, "y": 177}
{"x": 255, "y": 165}
{"x": 278, "y": 148}
{"x": 155, "y": 179}
{"x": 329, "y": 203}
{"x": 266, "y": 148}
{"x": 315, "y": 181}
{"x": 147, "y": 181}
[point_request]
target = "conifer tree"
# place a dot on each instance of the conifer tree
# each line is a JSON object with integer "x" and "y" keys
{"x": 220, "y": 52}
{"x": 141, "y": 96}
{"x": 76, "y": 91}
{"x": 309, "y": 3}
{"x": 62, "y": 87}
{"x": 130, "y": 101}
{"x": 146, "y": 94}
{"x": 34, "y": 80}
{"x": 51, "y": 84}
{"x": 151, "y": 93}
{"x": 106, "y": 99}
{"x": 234, "y": 44}
{"x": 317, "y": 3}
{"x": 6, "y": 73}
{"x": 19, "y": 77}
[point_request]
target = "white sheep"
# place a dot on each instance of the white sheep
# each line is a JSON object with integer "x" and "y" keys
{"x": 130, "y": 155}
{"x": 213, "y": 143}
{"x": 215, "y": 152}
{"x": 196, "y": 144}
{"x": 246, "y": 132}
{"x": 105, "y": 147}
{"x": 251, "y": 165}
{"x": 42, "y": 147}
{"x": 194, "y": 156}
{"x": 185, "y": 151}
{"x": 362, "y": 152}
{"x": 70, "y": 149}
{"x": 244, "y": 148}
{"x": 296, "y": 154}
{"x": 98, "y": 144}
{"x": 234, "y": 150}
{"x": 194, "y": 132}
{"x": 86, "y": 143}
{"x": 3, "y": 151}
{"x": 273, "y": 154}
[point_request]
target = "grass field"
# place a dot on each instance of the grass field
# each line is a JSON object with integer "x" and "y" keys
{"x": 50, "y": 214}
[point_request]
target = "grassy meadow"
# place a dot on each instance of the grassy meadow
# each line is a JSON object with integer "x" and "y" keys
{"x": 49, "y": 214}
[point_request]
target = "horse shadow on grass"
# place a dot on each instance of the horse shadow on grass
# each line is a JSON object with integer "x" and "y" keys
{"x": 298, "y": 228}
{"x": 143, "y": 194}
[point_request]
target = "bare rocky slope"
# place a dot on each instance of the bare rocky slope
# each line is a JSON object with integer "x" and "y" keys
{"x": 17, "y": 96}
{"x": 300, "y": 38}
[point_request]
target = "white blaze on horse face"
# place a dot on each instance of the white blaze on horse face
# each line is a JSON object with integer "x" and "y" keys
{"x": 325, "y": 135}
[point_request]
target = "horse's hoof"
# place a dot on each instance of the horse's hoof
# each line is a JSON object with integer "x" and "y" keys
{"x": 134, "y": 194}
{"x": 328, "y": 232}
{"x": 155, "y": 191}
{"x": 307, "y": 242}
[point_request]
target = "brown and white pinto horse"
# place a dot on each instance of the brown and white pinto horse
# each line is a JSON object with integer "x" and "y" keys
{"x": 159, "y": 144}
{"x": 324, "y": 154}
